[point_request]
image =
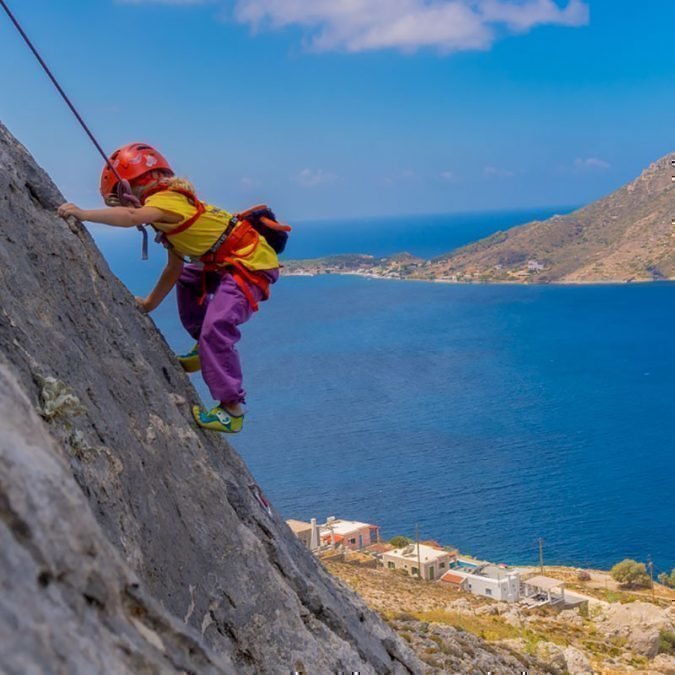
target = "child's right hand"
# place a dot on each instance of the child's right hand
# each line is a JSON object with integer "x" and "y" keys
{"x": 143, "y": 305}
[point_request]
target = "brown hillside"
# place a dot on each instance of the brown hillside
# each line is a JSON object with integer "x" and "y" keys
{"x": 627, "y": 236}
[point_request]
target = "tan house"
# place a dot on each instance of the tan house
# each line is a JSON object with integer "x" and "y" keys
{"x": 419, "y": 560}
{"x": 302, "y": 530}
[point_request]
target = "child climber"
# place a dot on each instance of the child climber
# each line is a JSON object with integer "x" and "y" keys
{"x": 231, "y": 266}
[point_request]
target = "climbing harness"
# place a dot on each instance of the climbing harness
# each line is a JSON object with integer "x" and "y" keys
{"x": 124, "y": 193}
{"x": 242, "y": 232}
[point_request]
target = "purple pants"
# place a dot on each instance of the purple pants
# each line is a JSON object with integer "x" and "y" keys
{"x": 214, "y": 325}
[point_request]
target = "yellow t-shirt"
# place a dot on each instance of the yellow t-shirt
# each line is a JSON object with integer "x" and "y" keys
{"x": 205, "y": 231}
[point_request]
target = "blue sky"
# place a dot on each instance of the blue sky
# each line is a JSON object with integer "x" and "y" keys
{"x": 340, "y": 108}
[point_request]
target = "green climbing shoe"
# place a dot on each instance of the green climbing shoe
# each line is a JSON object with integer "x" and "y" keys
{"x": 218, "y": 419}
{"x": 190, "y": 361}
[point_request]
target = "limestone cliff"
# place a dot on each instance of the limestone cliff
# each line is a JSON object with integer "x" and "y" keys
{"x": 131, "y": 542}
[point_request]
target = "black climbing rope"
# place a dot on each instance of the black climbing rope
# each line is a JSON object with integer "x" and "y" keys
{"x": 124, "y": 193}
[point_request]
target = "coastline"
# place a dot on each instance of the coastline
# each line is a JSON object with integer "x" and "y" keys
{"x": 496, "y": 282}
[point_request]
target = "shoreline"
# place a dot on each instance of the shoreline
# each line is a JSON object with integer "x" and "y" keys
{"x": 372, "y": 275}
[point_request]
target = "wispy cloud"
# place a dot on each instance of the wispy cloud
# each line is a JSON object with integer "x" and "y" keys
{"x": 448, "y": 176}
{"x": 591, "y": 164}
{"x": 405, "y": 25}
{"x": 497, "y": 172}
{"x": 310, "y": 178}
{"x": 249, "y": 183}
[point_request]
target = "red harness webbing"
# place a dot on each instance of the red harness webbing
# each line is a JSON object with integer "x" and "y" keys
{"x": 222, "y": 258}
{"x": 190, "y": 196}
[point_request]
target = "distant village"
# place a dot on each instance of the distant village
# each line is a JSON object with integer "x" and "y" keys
{"x": 431, "y": 562}
{"x": 405, "y": 266}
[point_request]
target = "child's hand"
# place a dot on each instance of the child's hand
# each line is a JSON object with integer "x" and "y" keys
{"x": 143, "y": 305}
{"x": 68, "y": 210}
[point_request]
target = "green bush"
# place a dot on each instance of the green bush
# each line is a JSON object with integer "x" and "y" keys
{"x": 667, "y": 579}
{"x": 666, "y": 642}
{"x": 630, "y": 573}
{"x": 400, "y": 541}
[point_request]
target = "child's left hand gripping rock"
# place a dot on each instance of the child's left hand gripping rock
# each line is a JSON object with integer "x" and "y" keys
{"x": 68, "y": 210}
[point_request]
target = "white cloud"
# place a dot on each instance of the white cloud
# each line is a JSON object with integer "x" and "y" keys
{"x": 407, "y": 25}
{"x": 448, "y": 176}
{"x": 249, "y": 183}
{"x": 591, "y": 164}
{"x": 310, "y": 178}
{"x": 497, "y": 172}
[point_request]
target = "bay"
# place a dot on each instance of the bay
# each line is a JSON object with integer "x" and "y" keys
{"x": 489, "y": 415}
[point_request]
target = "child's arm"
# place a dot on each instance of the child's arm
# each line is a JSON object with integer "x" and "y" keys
{"x": 165, "y": 283}
{"x": 120, "y": 216}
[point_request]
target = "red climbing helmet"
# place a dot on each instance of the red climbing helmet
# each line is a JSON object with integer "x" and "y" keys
{"x": 131, "y": 162}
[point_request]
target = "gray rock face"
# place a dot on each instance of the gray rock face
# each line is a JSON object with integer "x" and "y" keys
{"x": 447, "y": 650}
{"x": 163, "y": 559}
{"x": 69, "y": 604}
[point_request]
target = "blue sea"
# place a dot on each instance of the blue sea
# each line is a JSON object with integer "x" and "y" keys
{"x": 488, "y": 415}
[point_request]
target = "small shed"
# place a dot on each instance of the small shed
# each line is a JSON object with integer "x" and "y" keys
{"x": 455, "y": 580}
{"x": 544, "y": 590}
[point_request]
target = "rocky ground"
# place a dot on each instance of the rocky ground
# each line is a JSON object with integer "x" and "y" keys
{"x": 626, "y": 635}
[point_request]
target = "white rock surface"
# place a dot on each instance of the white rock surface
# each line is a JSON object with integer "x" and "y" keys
{"x": 577, "y": 662}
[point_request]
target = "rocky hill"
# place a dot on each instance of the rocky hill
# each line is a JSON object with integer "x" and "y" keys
{"x": 616, "y": 632}
{"x": 130, "y": 541}
{"x": 627, "y": 236}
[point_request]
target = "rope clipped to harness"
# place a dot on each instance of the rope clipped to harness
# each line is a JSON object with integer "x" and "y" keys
{"x": 126, "y": 197}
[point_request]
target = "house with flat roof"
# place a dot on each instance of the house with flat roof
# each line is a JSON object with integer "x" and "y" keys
{"x": 351, "y": 534}
{"x": 302, "y": 530}
{"x": 419, "y": 560}
{"x": 489, "y": 581}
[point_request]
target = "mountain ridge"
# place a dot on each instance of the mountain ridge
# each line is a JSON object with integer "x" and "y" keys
{"x": 626, "y": 236}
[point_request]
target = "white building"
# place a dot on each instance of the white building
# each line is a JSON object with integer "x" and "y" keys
{"x": 419, "y": 560}
{"x": 534, "y": 266}
{"x": 489, "y": 581}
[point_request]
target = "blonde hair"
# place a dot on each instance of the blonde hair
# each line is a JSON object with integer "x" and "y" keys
{"x": 180, "y": 183}
{"x": 161, "y": 180}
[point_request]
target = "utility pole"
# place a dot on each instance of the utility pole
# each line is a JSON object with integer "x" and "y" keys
{"x": 650, "y": 564}
{"x": 417, "y": 540}
{"x": 541, "y": 556}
